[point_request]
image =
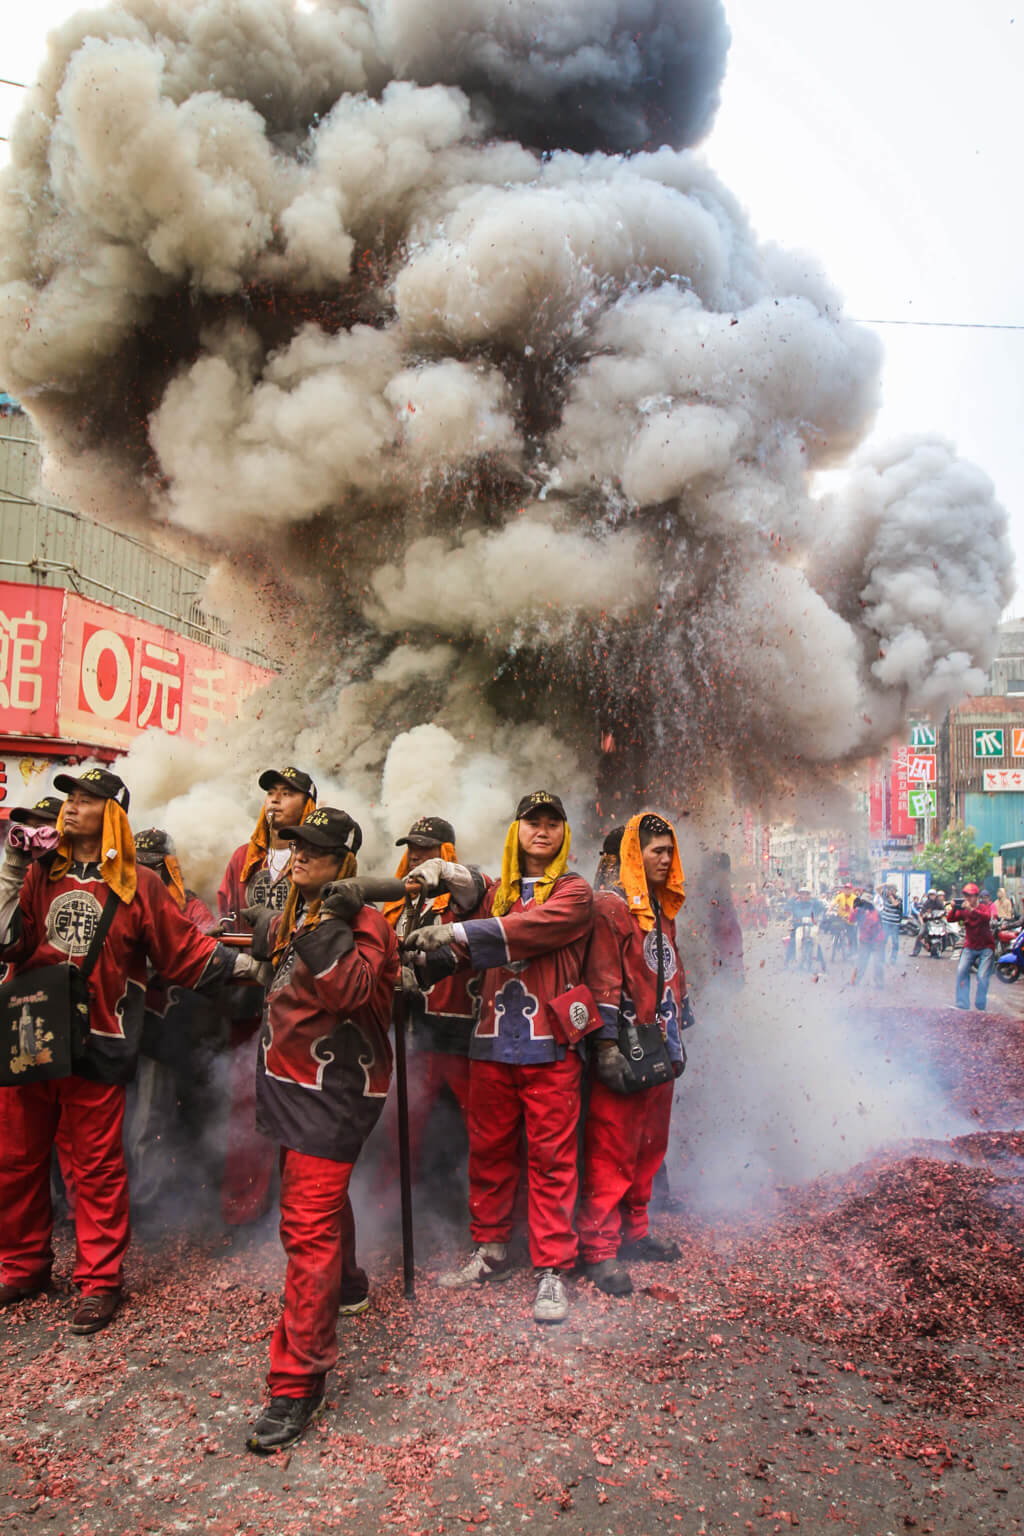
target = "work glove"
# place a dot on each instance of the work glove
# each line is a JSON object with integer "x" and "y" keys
{"x": 687, "y": 1017}
{"x": 36, "y": 842}
{"x": 342, "y": 898}
{"x": 679, "y": 1067}
{"x": 611, "y": 1068}
{"x": 259, "y": 920}
{"x": 435, "y": 937}
{"x": 465, "y": 885}
{"x": 430, "y": 873}
{"x": 247, "y": 968}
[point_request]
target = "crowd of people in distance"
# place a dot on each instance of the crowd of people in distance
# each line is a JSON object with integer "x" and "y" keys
{"x": 550, "y": 1012}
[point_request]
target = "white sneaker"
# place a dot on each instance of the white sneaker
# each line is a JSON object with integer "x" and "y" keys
{"x": 552, "y": 1304}
{"x": 490, "y": 1261}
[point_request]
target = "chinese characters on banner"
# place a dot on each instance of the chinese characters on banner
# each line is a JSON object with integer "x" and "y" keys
{"x": 76, "y": 669}
{"x": 901, "y": 823}
{"x": 1002, "y": 779}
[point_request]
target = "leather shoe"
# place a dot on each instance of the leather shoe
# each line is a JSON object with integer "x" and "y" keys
{"x": 94, "y": 1312}
{"x": 283, "y": 1422}
{"x": 10, "y": 1295}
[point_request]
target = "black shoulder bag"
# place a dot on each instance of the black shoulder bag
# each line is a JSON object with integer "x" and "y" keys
{"x": 44, "y": 1015}
{"x": 643, "y": 1045}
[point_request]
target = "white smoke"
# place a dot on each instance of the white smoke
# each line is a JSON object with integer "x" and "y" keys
{"x": 425, "y": 325}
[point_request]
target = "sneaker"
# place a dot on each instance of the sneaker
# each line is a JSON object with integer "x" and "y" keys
{"x": 94, "y": 1312}
{"x": 353, "y": 1308}
{"x": 490, "y": 1261}
{"x": 552, "y": 1304}
{"x": 609, "y": 1277}
{"x": 283, "y": 1422}
{"x": 649, "y": 1251}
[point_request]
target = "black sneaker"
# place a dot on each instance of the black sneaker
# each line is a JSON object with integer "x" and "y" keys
{"x": 283, "y": 1422}
{"x": 610, "y": 1277}
{"x": 649, "y": 1251}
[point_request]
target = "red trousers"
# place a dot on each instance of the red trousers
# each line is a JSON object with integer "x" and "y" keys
{"x": 624, "y": 1142}
{"x": 249, "y": 1158}
{"x": 90, "y": 1116}
{"x": 318, "y": 1233}
{"x": 545, "y": 1100}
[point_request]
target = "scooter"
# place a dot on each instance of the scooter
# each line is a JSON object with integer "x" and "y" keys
{"x": 936, "y": 935}
{"x": 1010, "y": 964}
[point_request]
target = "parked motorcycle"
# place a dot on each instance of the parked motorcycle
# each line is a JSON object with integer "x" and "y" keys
{"x": 1010, "y": 963}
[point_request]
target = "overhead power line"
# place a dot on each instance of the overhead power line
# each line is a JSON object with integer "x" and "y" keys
{"x": 955, "y": 325}
{"x": 19, "y": 83}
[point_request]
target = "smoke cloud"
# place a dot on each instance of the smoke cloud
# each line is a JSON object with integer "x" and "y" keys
{"x": 428, "y": 326}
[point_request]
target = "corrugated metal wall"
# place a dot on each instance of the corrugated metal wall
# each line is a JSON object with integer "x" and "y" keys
{"x": 996, "y": 819}
{"x": 965, "y": 770}
{"x": 53, "y": 547}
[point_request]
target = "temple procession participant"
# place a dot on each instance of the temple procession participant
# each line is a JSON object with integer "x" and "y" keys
{"x": 528, "y": 938}
{"x": 441, "y": 1016}
{"x": 324, "y": 1067}
{"x": 635, "y": 974}
{"x": 256, "y": 876}
{"x": 86, "y": 903}
{"x": 179, "y": 1032}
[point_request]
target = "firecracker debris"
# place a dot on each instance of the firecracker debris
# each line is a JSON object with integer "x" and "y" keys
{"x": 853, "y": 1361}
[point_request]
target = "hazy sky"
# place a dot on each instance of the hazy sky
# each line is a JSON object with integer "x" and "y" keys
{"x": 885, "y": 138}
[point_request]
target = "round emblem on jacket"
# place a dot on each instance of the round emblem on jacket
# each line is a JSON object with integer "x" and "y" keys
{"x": 651, "y": 954}
{"x": 262, "y": 891}
{"x": 72, "y": 921}
{"x": 579, "y": 1018}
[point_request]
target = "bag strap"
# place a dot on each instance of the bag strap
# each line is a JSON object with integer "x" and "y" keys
{"x": 661, "y": 960}
{"x": 99, "y": 938}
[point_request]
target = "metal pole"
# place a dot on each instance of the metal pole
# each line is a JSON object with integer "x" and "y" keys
{"x": 404, "y": 1160}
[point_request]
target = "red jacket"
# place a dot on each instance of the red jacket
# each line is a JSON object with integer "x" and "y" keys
{"x": 324, "y": 1061}
{"x": 259, "y": 891}
{"x": 58, "y": 919}
{"x": 977, "y": 924}
{"x": 530, "y": 955}
{"x": 621, "y": 970}
{"x": 869, "y": 929}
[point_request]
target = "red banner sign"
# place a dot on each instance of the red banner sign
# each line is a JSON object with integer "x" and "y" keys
{"x": 901, "y": 823}
{"x": 73, "y": 668}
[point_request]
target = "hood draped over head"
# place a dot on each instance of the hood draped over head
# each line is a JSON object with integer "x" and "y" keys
{"x": 511, "y": 877}
{"x": 633, "y": 876}
{"x": 117, "y": 854}
{"x": 259, "y": 842}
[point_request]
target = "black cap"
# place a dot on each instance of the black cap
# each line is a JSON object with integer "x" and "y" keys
{"x": 47, "y": 809}
{"x": 428, "y": 832}
{"x": 293, "y": 777}
{"x": 153, "y": 846}
{"x": 95, "y": 781}
{"x": 327, "y": 828}
{"x": 540, "y": 800}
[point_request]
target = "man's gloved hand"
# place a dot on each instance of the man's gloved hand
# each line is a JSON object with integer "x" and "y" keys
{"x": 427, "y": 939}
{"x": 610, "y": 1065}
{"x": 679, "y": 1067}
{"x": 246, "y": 968}
{"x": 430, "y": 873}
{"x": 342, "y": 898}
{"x": 687, "y": 1017}
{"x": 36, "y": 842}
{"x": 259, "y": 920}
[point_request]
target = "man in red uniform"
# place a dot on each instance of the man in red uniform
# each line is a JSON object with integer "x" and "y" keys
{"x": 323, "y": 1072}
{"x": 626, "y": 1134}
{"x": 529, "y": 939}
{"x": 49, "y": 913}
{"x": 256, "y": 876}
{"x": 442, "y": 1015}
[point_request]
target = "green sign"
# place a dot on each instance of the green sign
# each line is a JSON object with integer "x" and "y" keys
{"x": 921, "y": 735}
{"x": 921, "y": 803}
{"x": 988, "y": 743}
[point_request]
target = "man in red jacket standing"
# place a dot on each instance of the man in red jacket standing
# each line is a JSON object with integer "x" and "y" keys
{"x": 626, "y": 1134}
{"x": 529, "y": 938}
{"x": 50, "y": 910}
{"x": 979, "y": 945}
{"x": 323, "y": 1072}
{"x": 256, "y": 876}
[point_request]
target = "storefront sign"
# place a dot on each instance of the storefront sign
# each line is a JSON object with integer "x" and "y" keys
{"x": 988, "y": 742}
{"x": 76, "y": 669}
{"x": 921, "y": 767}
{"x": 997, "y": 779}
{"x": 921, "y": 803}
{"x": 922, "y": 735}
